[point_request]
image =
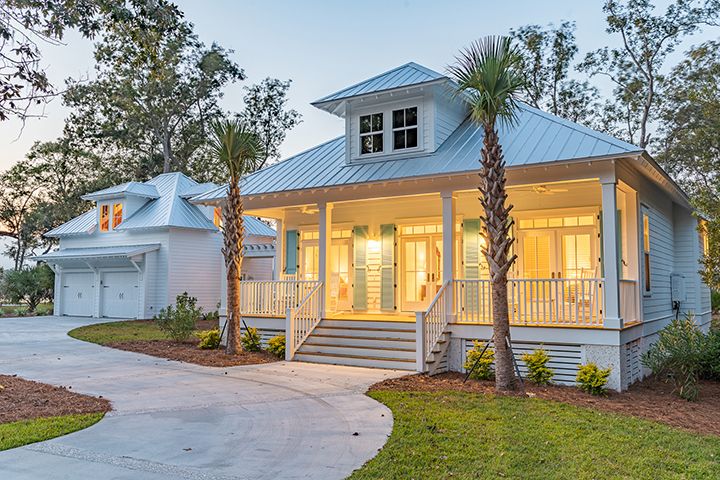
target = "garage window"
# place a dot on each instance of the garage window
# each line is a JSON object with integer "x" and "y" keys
{"x": 117, "y": 214}
{"x": 104, "y": 218}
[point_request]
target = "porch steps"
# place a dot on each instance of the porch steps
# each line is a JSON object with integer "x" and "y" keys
{"x": 361, "y": 343}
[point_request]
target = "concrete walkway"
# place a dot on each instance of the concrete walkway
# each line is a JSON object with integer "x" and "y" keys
{"x": 179, "y": 421}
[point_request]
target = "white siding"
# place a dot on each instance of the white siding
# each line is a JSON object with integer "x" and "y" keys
{"x": 449, "y": 114}
{"x": 687, "y": 257}
{"x": 257, "y": 268}
{"x": 194, "y": 266}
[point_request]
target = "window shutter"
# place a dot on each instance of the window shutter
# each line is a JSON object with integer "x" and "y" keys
{"x": 360, "y": 235}
{"x": 291, "y": 252}
{"x": 471, "y": 247}
{"x": 387, "y": 269}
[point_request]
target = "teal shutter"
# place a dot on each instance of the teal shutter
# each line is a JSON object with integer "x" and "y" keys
{"x": 471, "y": 248}
{"x": 387, "y": 268}
{"x": 618, "y": 239}
{"x": 360, "y": 235}
{"x": 291, "y": 252}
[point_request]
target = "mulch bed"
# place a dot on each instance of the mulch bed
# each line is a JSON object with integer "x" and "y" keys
{"x": 23, "y": 400}
{"x": 190, "y": 353}
{"x": 650, "y": 399}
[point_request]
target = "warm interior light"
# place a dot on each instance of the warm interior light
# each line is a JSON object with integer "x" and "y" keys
{"x": 373, "y": 246}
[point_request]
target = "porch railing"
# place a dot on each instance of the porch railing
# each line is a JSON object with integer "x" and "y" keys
{"x": 301, "y": 320}
{"x": 555, "y": 301}
{"x": 431, "y": 324}
{"x": 272, "y": 298}
{"x": 629, "y": 302}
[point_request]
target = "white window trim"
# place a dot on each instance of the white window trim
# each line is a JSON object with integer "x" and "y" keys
{"x": 645, "y": 211}
{"x": 371, "y": 133}
{"x": 416, "y": 127}
{"x": 387, "y": 109}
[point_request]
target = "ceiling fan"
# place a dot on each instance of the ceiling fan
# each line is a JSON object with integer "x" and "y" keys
{"x": 542, "y": 190}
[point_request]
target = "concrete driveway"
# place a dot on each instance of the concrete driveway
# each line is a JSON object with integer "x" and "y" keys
{"x": 179, "y": 421}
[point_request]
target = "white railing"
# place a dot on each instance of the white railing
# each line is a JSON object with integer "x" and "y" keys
{"x": 301, "y": 320}
{"x": 272, "y": 298}
{"x": 629, "y": 304}
{"x": 546, "y": 302}
{"x": 431, "y": 324}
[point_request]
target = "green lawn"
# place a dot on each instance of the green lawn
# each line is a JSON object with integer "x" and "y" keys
{"x": 461, "y": 435}
{"x": 17, "y": 434}
{"x": 104, "y": 333}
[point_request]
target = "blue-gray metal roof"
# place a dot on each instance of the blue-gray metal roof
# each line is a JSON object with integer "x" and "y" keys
{"x": 139, "y": 189}
{"x": 198, "y": 189}
{"x": 536, "y": 138}
{"x": 255, "y": 226}
{"x": 402, "y": 76}
{"x": 81, "y": 225}
{"x": 170, "y": 209}
{"x": 97, "y": 252}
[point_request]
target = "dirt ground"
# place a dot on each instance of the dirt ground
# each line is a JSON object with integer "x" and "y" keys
{"x": 651, "y": 399}
{"x": 23, "y": 399}
{"x": 190, "y": 353}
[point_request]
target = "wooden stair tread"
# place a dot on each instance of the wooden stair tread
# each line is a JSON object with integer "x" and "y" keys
{"x": 366, "y": 347}
{"x": 364, "y": 357}
{"x": 360, "y": 337}
{"x": 374, "y": 329}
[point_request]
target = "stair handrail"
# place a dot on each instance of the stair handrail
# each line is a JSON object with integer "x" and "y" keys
{"x": 432, "y": 323}
{"x": 301, "y": 320}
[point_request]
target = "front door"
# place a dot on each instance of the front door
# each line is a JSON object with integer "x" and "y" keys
{"x": 340, "y": 295}
{"x": 421, "y": 270}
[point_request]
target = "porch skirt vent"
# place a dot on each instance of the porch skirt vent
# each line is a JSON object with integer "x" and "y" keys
{"x": 633, "y": 365}
{"x": 564, "y": 358}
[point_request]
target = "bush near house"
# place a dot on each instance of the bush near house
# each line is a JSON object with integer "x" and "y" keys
{"x": 710, "y": 358}
{"x": 178, "y": 322}
{"x": 592, "y": 379}
{"x": 29, "y": 286}
{"x": 538, "y": 371}
{"x": 209, "y": 339}
{"x": 251, "y": 340}
{"x": 276, "y": 346}
{"x": 483, "y": 370}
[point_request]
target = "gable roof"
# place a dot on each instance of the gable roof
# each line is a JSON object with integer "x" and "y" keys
{"x": 405, "y": 75}
{"x": 129, "y": 188}
{"x": 255, "y": 226}
{"x": 536, "y": 138}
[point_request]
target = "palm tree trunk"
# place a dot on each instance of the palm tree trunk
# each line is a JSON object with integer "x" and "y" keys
{"x": 233, "y": 235}
{"x": 498, "y": 226}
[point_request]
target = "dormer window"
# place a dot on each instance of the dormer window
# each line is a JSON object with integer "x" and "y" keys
{"x": 371, "y": 133}
{"x": 405, "y": 128}
{"x": 104, "y": 218}
{"x": 117, "y": 215}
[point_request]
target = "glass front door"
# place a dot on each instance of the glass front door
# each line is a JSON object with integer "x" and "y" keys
{"x": 340, "y": 275}
{"x": 310, "y": 260}
{"x": 421, "y": 270}
{"x": 561, "y": 253}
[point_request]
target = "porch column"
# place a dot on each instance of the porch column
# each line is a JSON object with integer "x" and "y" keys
{"x": 448, "y": 241}
{"x": 279, "y": 249}
{"x": 325, "y": 231}
{"x": 611, "y": 313}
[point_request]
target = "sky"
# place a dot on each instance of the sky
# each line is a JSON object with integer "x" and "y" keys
{"x": 323, "y": 46}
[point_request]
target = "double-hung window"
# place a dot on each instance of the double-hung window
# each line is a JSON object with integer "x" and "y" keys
{"x": 646, "y": 253}
{"x": 405, "y": 128}
{"x": 117, "y": 215}
{"x": 371, "y": 133}
{"x": 104, "y": 218}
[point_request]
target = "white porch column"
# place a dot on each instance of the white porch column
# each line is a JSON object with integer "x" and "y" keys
{"x": 610, "y": 248}
{"x": 325, "y": 231}
{"x": 448, "y": 235}
{"x": 279, "y": 248}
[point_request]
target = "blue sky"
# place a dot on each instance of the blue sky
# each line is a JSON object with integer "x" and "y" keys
{"x": 324, "y": 46}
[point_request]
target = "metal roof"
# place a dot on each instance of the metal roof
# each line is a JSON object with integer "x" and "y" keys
{"x": 255, "y": 226}
{"x": 170, "y": 209}
{"x": 198, "y": 189}
{"x": 124, "y": 251}
{"x": 84, "y": 224}
{"x": 402, "y": 76}
{"x": 259, "y": 250}
{"x": 536, "y": 138}
{"x": 129, "y": 188}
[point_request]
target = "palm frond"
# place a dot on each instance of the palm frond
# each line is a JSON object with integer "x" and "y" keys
{"x": 237, "y": 146}
{"x": 489, "y": 78}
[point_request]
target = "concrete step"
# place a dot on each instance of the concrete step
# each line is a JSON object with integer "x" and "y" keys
{"x": 358, "y": 339}
{"x": 347, "y": 331}
{"x": 356, "y": 360}
{"x": 311, "y": 345}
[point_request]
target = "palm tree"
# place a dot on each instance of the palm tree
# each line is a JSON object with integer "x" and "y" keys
{"x": 241, "y": 151}
{"x": 489, "y": 79}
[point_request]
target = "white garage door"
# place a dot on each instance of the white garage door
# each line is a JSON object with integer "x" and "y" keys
{"x": 119, "y": 295}
{"x": 77, "y": 294}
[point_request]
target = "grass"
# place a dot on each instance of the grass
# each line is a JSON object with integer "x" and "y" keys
{"x": 127, "y": 331}
{"x": 467, "y": 436}
{"x": 17, "y": 434}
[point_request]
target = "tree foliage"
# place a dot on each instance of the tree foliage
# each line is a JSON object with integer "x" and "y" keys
{"x": 28, "y": 286}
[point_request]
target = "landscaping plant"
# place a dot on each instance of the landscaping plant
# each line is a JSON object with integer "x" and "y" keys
{"x": 28, "y": 286}
{"x": 592, "y": 379}
{"x": 276, "y": 346}
{"x": 710, "y": 361}
{"x": 538, "y": 371}
{"x": 209, "y": 339}
{"x": 677, "y": 355}
{"x": 250, "y": 340}
{"x": 483, "y": 370}
{"x": 178, "y": 323}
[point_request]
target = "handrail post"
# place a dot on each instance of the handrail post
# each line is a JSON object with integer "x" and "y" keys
{"x": 289, "y": 334}
{"x": 420, "y": 341}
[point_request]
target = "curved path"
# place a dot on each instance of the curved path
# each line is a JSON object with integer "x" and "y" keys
{"x": 178, "y": 421}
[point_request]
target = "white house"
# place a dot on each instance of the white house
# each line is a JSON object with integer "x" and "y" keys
{"x": 141, "y": 246}
{"x": 379, "y": 238}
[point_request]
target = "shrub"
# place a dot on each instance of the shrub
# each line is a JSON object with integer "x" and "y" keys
{"x": 677, "y": 355}
{"x": 276, "y": 346}
{"x": 592, "y": 379}
{"x": 710, "y": 360}
{"x": 214, "y": 316}
{"x": 29, "y": 286}
{"x": 483, "y": 370}
{"x": 209, "y": 339}
{"x": 715, "y": 300}
{"x": 250, "y": 340}
{"x": 178, "y": 323}
{"x": 538, "y": 371}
